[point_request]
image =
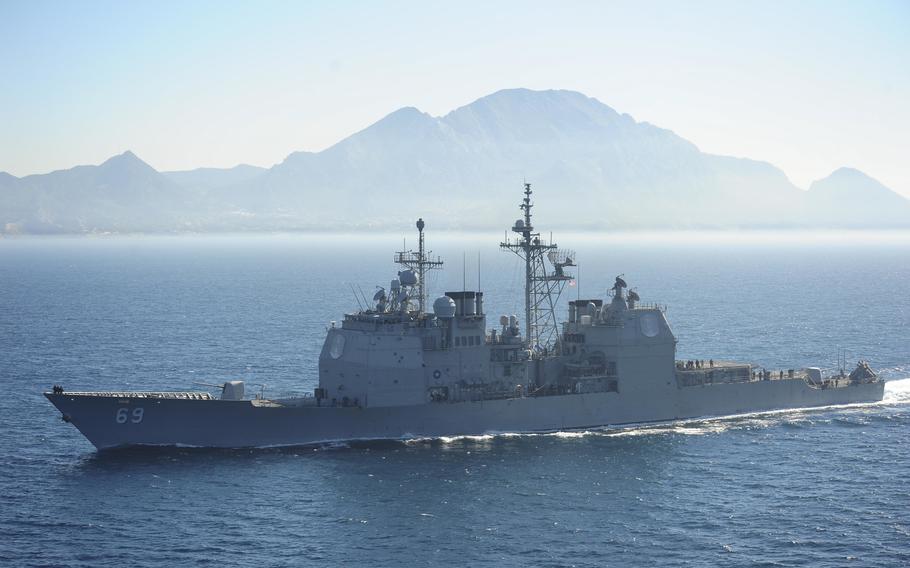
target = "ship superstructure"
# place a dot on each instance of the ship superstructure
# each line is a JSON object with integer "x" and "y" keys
{"x": 396, "y": 369}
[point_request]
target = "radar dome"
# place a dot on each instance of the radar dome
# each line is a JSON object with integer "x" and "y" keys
{"x": 408, "y": 278}
{"x": 519, "y": 223}
{"x": 444, "y": 307}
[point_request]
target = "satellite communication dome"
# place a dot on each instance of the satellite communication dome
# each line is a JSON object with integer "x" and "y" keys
{"x": 519, "y": 223}
{"x": 444, "y": 307}
{"x": 407, "y": 278}
{"x": 503, "y": 320}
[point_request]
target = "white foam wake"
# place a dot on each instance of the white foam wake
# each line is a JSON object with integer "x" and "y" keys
{"x": 897, "y": 392}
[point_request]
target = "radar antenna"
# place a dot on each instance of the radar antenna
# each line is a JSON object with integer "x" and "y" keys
{"x": 420, "y": 262}
{"x": 542, "y": 287}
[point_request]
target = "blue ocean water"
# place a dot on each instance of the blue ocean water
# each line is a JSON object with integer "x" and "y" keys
{"x": 821, "y": 487}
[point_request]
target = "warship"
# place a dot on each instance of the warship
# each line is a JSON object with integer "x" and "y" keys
{"x": 395, "y": 369}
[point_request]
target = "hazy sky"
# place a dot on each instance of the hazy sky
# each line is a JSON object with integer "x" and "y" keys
{"x": 807, "y": 86}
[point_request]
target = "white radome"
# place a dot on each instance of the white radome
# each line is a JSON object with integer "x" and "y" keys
{"x": 444, "y": 307}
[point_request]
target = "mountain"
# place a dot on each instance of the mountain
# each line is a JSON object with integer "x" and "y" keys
{"x": 122, "y": 194}
{"x": 204, "y": 180}
{"x": 592, "y": 168}
{"x": 850, "y": 198}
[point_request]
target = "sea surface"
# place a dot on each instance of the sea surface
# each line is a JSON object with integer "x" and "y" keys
{"x": 824, "y": 487}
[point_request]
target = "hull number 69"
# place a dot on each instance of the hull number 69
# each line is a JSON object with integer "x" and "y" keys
{"x": 124, "y": 415}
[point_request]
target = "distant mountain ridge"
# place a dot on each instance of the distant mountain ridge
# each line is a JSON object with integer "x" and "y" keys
{"x": 123, "y": 194}
{"x": 592, "y": 168}
{"x": 207, "y": 179}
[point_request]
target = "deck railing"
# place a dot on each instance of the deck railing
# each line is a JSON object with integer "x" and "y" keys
{"x": 165, "y": 394}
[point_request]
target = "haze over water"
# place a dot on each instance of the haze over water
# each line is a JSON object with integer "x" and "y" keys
{"x": 818, "y": 488}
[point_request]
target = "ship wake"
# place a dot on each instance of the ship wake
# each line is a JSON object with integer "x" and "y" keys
{"x": 897, "y": 392}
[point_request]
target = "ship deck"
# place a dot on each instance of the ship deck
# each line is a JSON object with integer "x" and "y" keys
{"x": 137, "y": 394}
{"x": 695, "y": 373}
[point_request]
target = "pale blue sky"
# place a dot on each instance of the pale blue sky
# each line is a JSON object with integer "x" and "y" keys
{"x": 807, "y": 86}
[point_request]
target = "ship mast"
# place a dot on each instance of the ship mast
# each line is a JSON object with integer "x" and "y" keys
{"x": 542, "y": 287}
{"x": 420, "y": 262}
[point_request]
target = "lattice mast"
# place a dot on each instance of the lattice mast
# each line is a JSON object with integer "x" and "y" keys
{"x": 420, "y": 262}
{"x": 542, "y": 287}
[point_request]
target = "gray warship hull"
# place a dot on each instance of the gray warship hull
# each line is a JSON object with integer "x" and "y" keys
{"x": 169, "y": 421}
